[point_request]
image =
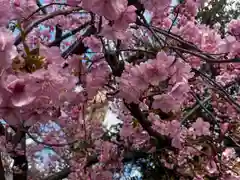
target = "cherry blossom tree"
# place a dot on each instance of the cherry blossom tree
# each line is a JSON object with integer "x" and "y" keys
{"x": 172, "y": 81}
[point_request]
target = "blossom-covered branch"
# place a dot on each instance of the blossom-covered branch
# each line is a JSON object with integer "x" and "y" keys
{"x": 171, "y": 82}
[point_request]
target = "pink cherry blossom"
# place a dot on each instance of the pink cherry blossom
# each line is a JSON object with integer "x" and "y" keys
{"x": 52, "y": 55}
{"x": 173, "y": 128}
{"x": 46, "y": 82}
{"x": 112, "y": 33}
{"x": 108, "y": 152}
{"x": 20, "y": 96}
{"x": 198, "y": 177}
{"x": 190, "y": 32}
{"x": 180, "y": 90}
{"x": 7, "y": 49}
{"x": 233, "y": 28}
{"x": 228, "y": 154}
{"x": 165, "y": 102}
{"x": 201, "y": 127}
{"x": 212, "y": 167}
{"x": 156, "y": 70}
{"x": 24, "y": 8}
{"x": 224, "y": 127}
{"x": 95, "y": 79}
{"x": 110, "y": 9}
{"x": 93, "y": 43}
{"x": 181, "y": 71}
{"x": 6, "y": 12}
{"x": 74, "y": 2}
{"x": 177, "y": 141}
{"x": 156, "y": 6}
{"x": 127, "y": 17}
{"x": 105, "y": 175}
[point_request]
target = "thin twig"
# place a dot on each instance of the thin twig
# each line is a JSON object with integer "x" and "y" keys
{"x": 49, "y": 144}
{"x": 169, "y": 30}
{"x": 42, "y": 8}
{"x": 228, "y": 97}
{"x": 73, "y": 32}
{"x": 40, "y": 20}
{"x": 195, "y": 108}
{"x": 204, "y": 57}
{"x": 204, "y": 108}
{"x": 146, "y": 25}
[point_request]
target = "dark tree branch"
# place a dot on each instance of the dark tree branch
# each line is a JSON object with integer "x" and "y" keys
{"x": 221, "y": 89}
{"x": 18, "y": 40}
{"x": 41, "y": 8}
{"x": 213, "y": 119}
{"x": 146, "y": 125}
{"x": 78, "y": 47}
{"x": 134, "y": 108}
{"x": 58, "y": 34}
{"x": 129, "y": 156}
{"x": 50, "y": 144}
{"x": 139, "y": 6}
{"x": 59, "y": 39}
{"x": 20, "y": 165}
{"x": 59, "y": 175}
